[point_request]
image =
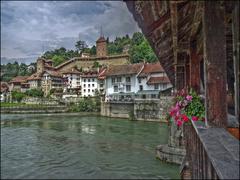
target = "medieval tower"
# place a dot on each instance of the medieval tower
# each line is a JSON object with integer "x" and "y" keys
{"x": 101, "y": 46}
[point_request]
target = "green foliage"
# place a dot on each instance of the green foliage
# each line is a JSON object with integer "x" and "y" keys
{"x": 142, "y": 51}
{"x": 139, "y": 48}
{"x": 93, "y": 50}
{"x": 81, "y": 45}
{"x": 11, "y": 70}
{"x": 87, "y": 104}
{"x": 96, "y": 64}
{"x": 17, "y": 96}
{"x": 137, "y": 38}
{"x": 196, "y": 107}
{"x": 60, "y": 55}
{"x": 34, "y": 93}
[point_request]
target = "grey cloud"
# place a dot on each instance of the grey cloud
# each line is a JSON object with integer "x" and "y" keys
{"x": 27, "y": 27}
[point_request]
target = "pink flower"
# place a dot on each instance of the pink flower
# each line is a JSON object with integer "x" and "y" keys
{"x": 194, "y": 118}
{"x": 179, "y": 122}
{"x": 189, "y": 98}
{"x": 185, "y": 118}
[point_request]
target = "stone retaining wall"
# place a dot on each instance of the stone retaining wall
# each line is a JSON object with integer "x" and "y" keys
{"x": 143, "y": 109}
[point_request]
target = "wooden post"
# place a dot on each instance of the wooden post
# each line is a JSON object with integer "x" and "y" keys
{"x": 194, "y": 68}
{"x": 236, "y": 56}
{"x": 214, "y": 43}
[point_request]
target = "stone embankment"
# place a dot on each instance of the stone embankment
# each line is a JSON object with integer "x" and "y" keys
{"x": 33, "y": 110}
{"x": 141, "y": 109}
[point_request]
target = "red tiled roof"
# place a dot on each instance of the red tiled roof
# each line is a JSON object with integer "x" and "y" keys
{"x": 151, "y": 68}
{"x": 101, "y": 39}
{"x": 53, "y": 73}
{"x": 19, "y": 79}
{"x": 35, "y": 76}
{"x": 124, "y": 69}
{"x": 158, "y": 80}
{"x": 90, "y": 74}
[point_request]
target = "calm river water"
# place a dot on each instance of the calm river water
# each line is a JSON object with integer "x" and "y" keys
{"x": 70, "y": 146}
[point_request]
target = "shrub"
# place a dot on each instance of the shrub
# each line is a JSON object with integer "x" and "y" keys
{"x": 17, "y": 96}
{"x": 34, "y": 93}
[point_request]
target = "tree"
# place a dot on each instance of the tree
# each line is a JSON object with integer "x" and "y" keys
{"x": 81, "y": 45}
{"x": 137, "y": 38}
{"x": 93, "y": 50}
{"x": 141, "y": 52}
{"x": 57, "y": 59}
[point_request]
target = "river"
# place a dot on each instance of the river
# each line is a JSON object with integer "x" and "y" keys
{"x": 74, "y": 147}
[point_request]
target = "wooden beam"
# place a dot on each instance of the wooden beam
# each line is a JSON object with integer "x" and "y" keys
{"x": 214, "y": 45}
{"x": 235, "y": 28}
{"x": 194, "y": 68}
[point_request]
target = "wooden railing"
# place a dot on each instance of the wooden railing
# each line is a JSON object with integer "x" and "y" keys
{"x": 211, "y": 153}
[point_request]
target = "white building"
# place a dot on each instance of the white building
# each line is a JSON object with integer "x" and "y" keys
{"x": 121, "y": 81}
{"x": 142, "y": 80}
{"x": 72, "y": 79}
{"x": 89, "y": 83}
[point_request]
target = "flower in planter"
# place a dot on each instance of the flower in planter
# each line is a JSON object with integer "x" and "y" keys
{"x": 185, "y": 118}
{"x": 189, "y": 98}
{"x": 194, "y": 118}
{"x": 187, "y": 106}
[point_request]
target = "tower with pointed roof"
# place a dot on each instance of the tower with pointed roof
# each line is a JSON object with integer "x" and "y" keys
{"x": 101, "y": 46}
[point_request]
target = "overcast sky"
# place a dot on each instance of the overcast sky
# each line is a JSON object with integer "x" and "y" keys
{"x": 28, "y": 28}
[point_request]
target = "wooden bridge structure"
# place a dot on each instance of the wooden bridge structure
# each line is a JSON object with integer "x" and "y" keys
{"x": 197, "y": 43}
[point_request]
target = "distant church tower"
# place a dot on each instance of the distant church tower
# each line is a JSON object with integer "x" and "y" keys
{"x": 101, "y": 44}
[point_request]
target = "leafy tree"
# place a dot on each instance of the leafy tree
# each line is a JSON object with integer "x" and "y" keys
{"x": 141, "y": 52}
{"x": 137, "y": 38}
{"x": 57, "y": 59}
{"x": 93, "y": 50}
{"x": 81, "y": 45}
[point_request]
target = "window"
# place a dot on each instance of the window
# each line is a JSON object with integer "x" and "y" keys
{"x": 89, "y": 80}
{"x": 113, "y": 80}
{"x": 84, "y": 90}
{"x": 153, "y": 96}
{"x": 119, "y": 79}
{"x": 139, "y": 80}
{"x": 88, "y": 90}
{"x": 128, "y": 87}
{"x": 78, "y": 83}
{"x": 115, "y": 88}
{"x": 92, "y": 85}
{"x": 156, "y": 86}
{"x": 93, "y": 90}
{"x": 140, "y": 87}
{"x": 84, "y": 85}
{"x": 88, "y": 85}
{"x": 78, "y": 79}
{"x": 84, "y": 80}
{"x": 92, "y": 80}
{"x": 128, "y": 79}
